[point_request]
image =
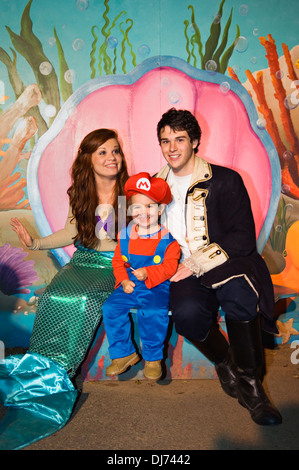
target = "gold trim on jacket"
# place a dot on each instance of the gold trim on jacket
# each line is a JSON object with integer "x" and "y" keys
{"x": 204, "y": 256}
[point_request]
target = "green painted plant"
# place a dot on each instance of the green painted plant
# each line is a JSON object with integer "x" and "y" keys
{"x": 214, "y": 56}
{"x": 110, "y": 52}
{"x": 30, "y": 47}
{"x": 281, "y": 226}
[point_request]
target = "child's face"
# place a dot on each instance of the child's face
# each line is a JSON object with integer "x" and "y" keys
{"x": 144, "y": 210}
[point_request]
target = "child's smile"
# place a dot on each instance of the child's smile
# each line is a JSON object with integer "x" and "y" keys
{"x": 145, "y": 213}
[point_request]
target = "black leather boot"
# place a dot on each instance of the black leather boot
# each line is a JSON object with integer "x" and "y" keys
{"x": 216, "y": 349}
{"x": 248, "y": 355}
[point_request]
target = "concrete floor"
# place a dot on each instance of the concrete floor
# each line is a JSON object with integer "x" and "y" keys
{"x": 178, "y": 415}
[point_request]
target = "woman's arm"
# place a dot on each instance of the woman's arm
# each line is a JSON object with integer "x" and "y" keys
{"x": 61, "y": 238}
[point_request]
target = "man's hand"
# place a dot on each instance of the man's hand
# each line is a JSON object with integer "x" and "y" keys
{"x": 140, "y": 274}
{"x": 128, "y": 286}
{"x": 182, "y": 273}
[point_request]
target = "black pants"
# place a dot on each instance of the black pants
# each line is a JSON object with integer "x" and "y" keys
{"x": 194, "y": 306}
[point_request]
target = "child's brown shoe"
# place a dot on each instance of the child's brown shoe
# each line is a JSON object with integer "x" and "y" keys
{"x": 121, "y": 364}
{"x": 152, "y": 370}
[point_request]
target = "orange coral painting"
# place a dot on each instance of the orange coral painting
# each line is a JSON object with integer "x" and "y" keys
{"x": 12, "y": 184}
{"x": 281, "y": 127}
{"x": 275, "y": 92}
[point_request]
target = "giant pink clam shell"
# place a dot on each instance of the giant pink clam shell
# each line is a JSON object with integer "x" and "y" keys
{"x": 133, "y": 104}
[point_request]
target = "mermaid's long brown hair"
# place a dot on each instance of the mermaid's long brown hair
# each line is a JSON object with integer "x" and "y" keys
{"x": 82, "y": 192}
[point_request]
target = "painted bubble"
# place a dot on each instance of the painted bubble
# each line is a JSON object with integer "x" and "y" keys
{"x": 241, "y": 44}
{"x": 285, "y": 188}
{"x": 144, "y": 50}
{"x": 211, "y": 66}
{"x": 290, "y": 102}
{"x": 278, "y": 228}
{"x": 51, "y": 41}
{"x": 261, "y": 123}
{"x": 112, "y": 42}
{"x": 191, "y": 28}
{"x": 289, "y": 207}
{"x": 174, "y": 97}
{"x": 45, "y": 68}
{"x": 253, "y": 60}
{"x": 255, "y": 32}
{"x": 224, "y": 87}
{"x": 165, "y": 81}
{"x": 217, "y": 19}
{"x": 78, "y": 44}
{"x": 287, "y": 155}
{"x": 82, "y": 4}
{"x": 236, "y": 68}
{"x": 50, "y": 111}
{"x": 243, "y": 10}
{"x": 279, "y": 74}
{"x": 70, "y": 76}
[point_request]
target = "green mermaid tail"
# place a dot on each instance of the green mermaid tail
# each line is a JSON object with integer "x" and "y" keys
{"x": 39, "y": 399}
{"x": 69, "y": 311}
{"x": 36, "y": 389}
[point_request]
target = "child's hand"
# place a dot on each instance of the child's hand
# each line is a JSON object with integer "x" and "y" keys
{"x": 128, "y": 286}
{"x": 140, "y": 274}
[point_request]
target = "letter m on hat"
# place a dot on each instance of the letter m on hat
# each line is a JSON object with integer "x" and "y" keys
{"x": 144, "y": 184}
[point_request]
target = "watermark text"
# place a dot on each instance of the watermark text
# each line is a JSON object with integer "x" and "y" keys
{"x": 295, "y": 353}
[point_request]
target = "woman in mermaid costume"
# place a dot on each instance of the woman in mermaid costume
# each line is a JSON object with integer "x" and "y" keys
{"x": 36, "y": 388}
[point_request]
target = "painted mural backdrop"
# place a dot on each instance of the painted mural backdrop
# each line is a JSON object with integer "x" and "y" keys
{"x": 50, "y": 51}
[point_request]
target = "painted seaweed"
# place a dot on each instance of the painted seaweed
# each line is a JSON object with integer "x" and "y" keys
{"x": 29, "y": 46}
{"x": 19, "y": 87}
{"x": 214, "y": 57}
{"x": 280, "y": 229}
{"x": 110, "y": 46}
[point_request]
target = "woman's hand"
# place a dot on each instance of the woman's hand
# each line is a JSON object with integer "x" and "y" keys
{"x": 23, "y": 234}
{"x": 182, "y": 273}
{"x": 128, "y": 286}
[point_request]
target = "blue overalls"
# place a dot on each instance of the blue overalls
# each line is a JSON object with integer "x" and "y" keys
{"x": 152, "y": 307}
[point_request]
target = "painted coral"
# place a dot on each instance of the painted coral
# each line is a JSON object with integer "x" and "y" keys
{"x": 288, "y": 153}
{"x": 15, "y": 273}
{"x": 12, "y": 185}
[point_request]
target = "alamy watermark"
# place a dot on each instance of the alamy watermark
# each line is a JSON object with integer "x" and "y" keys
{"x": 295, "y": 354}
{"x": 2, "y": 350}
{"x": 106, "y": 218}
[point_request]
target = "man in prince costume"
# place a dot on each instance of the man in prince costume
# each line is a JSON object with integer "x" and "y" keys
{"x": 211, "y": 217}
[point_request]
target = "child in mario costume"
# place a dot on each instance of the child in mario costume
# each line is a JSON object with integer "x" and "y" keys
{"x": 145, "y": 259}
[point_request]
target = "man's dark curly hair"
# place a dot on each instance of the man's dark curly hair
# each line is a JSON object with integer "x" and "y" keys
{"x": 180, "y": 120}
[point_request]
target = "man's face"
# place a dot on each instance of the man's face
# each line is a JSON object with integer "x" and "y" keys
{"x": 178, "y": 150}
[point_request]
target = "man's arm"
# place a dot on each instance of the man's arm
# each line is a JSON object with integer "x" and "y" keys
{"x": 235, "y": 234}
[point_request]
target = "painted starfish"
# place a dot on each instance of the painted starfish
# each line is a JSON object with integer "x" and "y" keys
{"x": 286, "y": 330}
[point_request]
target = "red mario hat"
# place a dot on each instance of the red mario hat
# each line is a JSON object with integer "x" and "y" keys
{"x": 155, "y": 188}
